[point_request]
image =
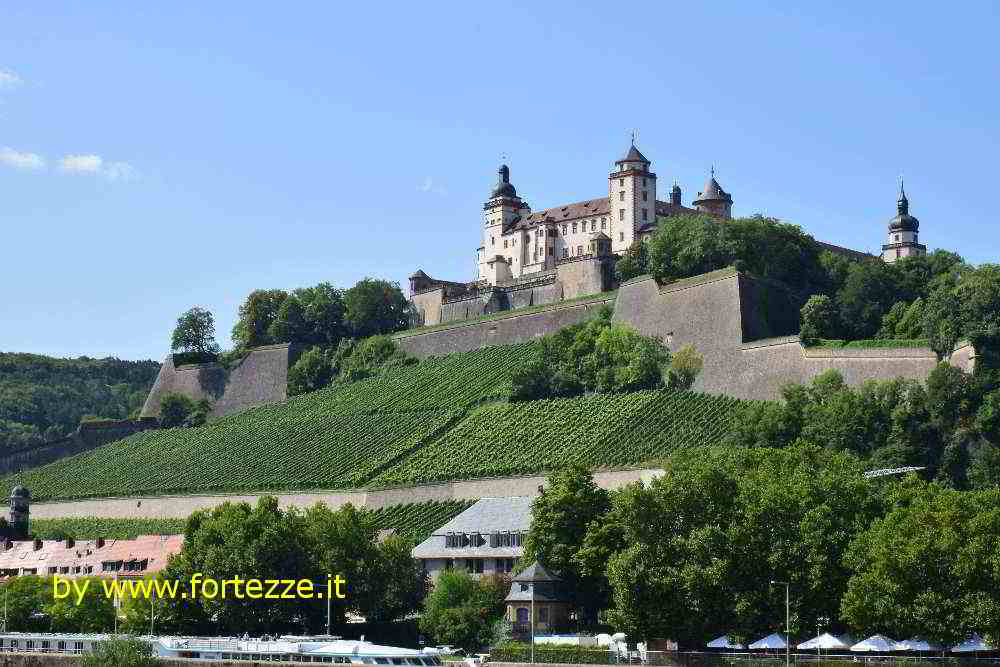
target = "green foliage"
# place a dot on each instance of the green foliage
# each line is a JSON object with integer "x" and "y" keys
{"x": 350, "y": 361}
{"x": 461, "y": 611}
{"x": 257, "y": 315}
{"x": 375, "y": 307}
{"x": 691, "y": 556}
{"x": 560, "y": 515}
{"x": 928, "y": 567}
{"x": 567, "y": 655}
{"x": 416, "y": 521}
{"x": 121, "y": 652}
{"x": 690, "y": 245}
{"x": 685, "y": 367}
{"x": 596, "y": 356}
{"x": 633, "y": 262}
{"x": 43, "y": 398}
{"x": 195, "y": 333}
{"x": 819, "y": 319}
{"x": 872, "y": 343}
{"x": 180, "y": 410}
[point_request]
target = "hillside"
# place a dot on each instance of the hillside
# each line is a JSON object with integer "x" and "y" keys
{"x": 43, "y": 398}
{"x": 443, "y": 418}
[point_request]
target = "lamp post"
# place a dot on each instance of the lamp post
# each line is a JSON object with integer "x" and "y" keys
{"x": 788, "y": 623}
{"x": 532, "y": 584}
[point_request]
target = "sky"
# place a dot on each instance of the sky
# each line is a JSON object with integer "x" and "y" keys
{"x": 157, "y": 158}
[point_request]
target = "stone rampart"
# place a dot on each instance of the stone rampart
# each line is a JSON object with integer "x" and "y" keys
{"x": 260, "y": 377}
{"x": 501, "y": 329}
{"x": 89, "y": 435}
{"x": 154, "y": 507}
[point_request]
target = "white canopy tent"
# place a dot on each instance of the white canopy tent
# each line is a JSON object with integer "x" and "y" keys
{"x": 771, "y": 641}
{"x": 918, "y": 644}
{"x": 971, "y": 645}
{"x": 724, "y": 642}
{"x": 876, "y": 644}
{"x": 827, "y": 642}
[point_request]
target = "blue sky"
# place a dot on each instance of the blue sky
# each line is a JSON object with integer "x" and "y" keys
{"x": 152, "y": 159}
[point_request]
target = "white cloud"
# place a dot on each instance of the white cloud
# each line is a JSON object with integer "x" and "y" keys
{"x": 9, "y": 80}
{"x": 95, "y": 164}
{"x": 19, "y": 160}
{"x": 81, "y": 163}
{"x": 429, "y": 186}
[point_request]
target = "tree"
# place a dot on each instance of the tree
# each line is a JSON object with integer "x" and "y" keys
{"x": 375, "y": 307}
{"x": 257, "y": 314}
{"x": 180, "y": 410}
{"x": 121, "y": 652}
{"x": 93, "y": 613}
{"x": 462, "y": 611}
{"x": 698, "y": 547}
{"x": 290, "y": 324}
{"x": 27, "y": 598}
{"x": 819, "y": 319}
{"x": 869, "y": 292}
{"x": 928, "y": 567}
{"x": 633, "y": 262}
{"x": 560, "y": 516}
{"x": 195, "y": 332}
{"x": 311, "y": 371}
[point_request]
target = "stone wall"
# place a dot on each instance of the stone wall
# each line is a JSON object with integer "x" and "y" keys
{"x": 154, "y": 507}
{"x": 88, "y": 435}
{"x": 260, "y": 377}
{"x": 503, "y": 329}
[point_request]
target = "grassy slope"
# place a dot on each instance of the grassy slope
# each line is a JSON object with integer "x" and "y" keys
{"x": 443, "y": 418}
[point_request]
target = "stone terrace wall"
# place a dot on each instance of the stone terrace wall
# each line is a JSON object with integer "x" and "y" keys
{"x": 720, "y": 313}
{"x": 261, "y": 377}
{"x": 501, "y": 330}
{"x": 88, "y": 435}
{"x": 153, "y": 507}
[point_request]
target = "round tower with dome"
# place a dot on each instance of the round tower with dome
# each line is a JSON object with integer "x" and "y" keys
{"x": 20, "y": 510}
{"x": 903, "y": 232}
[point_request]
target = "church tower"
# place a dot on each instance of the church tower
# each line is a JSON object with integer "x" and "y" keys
{"x": 501, "y": 210}
{"x": 631, "y": 198}
{"x": 20, "y": 509}
{"x": 902, "y": 232}
{"x": 714, "y": 199}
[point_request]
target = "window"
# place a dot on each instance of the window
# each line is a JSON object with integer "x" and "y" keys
{"x": 579, "y": 250}
{"x": 493, "y": 240}
{"x": 565, "y": 253}
{"x": 564, "y": 230}
{"x": 644, "y": 195}
{"x": 621, "y": 236}
{"x": 644, "y": 214}
{"x": 621, "y": 214}
{"x": 30, "y": 644}
{"x": 603, "y": 224}
{"x": 61, "y": 646}
{"x": 543, "y": 614}
{"x": 593, "y": 225}
{"x": 621, "y": 196}
{"x": 621, "y": 181}
{"x": 574, "y": 228}
{"x": 449, "y": 563}
{"x": 550, "y": 251}
{"x": 505, "y": 243}
{"x": 644, "y": 183}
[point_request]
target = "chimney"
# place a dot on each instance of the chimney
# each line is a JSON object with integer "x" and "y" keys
{"x": 99, "y": 542}
{"x": 70, "y": 542}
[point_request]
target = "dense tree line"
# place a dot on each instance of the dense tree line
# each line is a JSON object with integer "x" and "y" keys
{"x": 603, "y": 357}
{"x": 44, "y": 398}
{"x": 465, "y": 612}
{"x": 936, "y": 297}
{"x": 691, "y": 555}
{"x": 383, "y": 582}
{"x": 950, "y": 424}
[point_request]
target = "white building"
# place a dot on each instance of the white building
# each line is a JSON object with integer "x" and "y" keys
{"x": 486, "y": 539}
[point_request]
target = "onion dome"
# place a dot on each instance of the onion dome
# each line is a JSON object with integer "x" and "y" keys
{"x": 903, "y": 222}
{"x": 504, "y": 187}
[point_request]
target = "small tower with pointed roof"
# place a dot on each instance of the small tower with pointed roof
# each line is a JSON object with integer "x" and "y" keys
{"x": 631, "y": 198}
{"x": 903, "y": 232}
{"x": 20, "y": 512}
{"x": 502, "y": 210}
{"x": 713, "y": 199}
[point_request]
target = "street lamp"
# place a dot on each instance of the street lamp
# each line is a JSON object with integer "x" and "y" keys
{"x": 788, "y": 623}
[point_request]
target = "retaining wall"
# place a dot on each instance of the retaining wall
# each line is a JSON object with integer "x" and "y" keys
{"x": 88, "y": 435}
{"x": 156, "y": 507}
{"x": 260, "y": 377}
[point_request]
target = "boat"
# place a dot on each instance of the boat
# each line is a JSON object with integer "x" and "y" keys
{"x": 288, "y": 648}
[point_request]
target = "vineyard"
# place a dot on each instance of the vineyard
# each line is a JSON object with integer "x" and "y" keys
{"x": 411, "y": 520}
{"x": 440, "y": 419}
{"x": 601, "y": 430}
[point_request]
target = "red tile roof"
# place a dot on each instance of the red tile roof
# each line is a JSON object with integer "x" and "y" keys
{"x": 155, "y": 549}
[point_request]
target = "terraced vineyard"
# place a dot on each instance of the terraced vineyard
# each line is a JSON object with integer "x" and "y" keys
{"x": 417, "y": 520}
{"x": 602, "y": 430}
{"x": 443, "y": 418}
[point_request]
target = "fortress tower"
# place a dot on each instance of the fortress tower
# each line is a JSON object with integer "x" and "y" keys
{"x": 902, "y": 232}
{"x": 714, "y": 199}
{"x": 497, "y": 256}
{"x": 631, "y": 198}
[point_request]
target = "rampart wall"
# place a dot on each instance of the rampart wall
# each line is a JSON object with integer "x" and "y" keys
{"x": 153, "y": 507}
{"x": 260, "y": 377}
{"x": 88, "y": 435}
